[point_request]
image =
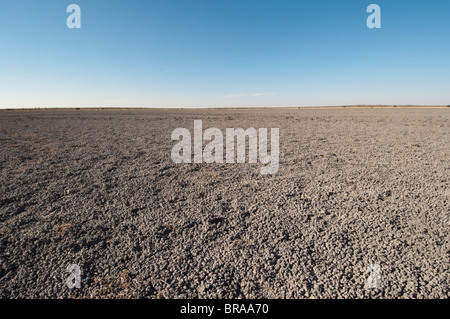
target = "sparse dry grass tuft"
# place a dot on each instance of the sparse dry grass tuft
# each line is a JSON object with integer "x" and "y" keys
{"x": 54, "y": 150}
{"x": 122, "y": 286}
{"x": 5, "y": 231}
{"x": 63, "y": 227}
{"x": 30, "y": 135}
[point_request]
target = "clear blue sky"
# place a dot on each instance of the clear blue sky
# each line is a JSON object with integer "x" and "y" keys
{"x": 204, "y": 53}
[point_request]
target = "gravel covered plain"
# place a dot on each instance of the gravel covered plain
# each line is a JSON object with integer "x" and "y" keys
{"x": 98, "y": 188}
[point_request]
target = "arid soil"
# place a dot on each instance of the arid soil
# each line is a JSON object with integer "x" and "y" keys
{"x": 99, "y": 189}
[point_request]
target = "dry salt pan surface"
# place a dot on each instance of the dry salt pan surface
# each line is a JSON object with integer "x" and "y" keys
{"x": 99, "y": 189}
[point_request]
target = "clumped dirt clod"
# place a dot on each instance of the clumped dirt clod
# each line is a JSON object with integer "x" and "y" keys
{"x": 98, "y": 189}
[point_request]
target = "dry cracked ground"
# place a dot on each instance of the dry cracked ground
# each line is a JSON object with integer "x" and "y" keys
{"x": 99, "y": 189}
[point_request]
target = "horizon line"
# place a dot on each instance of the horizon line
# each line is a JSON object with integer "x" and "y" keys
{"x": 78, "y": 108}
